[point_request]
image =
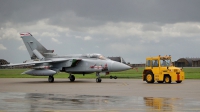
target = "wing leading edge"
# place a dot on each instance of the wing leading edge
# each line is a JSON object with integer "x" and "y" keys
{"x": 37, "y": 62}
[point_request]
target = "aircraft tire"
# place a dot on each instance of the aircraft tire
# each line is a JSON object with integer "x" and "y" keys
{"x": 51, "y": 79}
{"x": 98, "y": 80}
{"x": 111, "y": 77}
{"x": 72, "y": 78}
{"x": 115, "y": 77}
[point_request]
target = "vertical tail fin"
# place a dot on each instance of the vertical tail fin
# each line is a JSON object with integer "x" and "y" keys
{"x": 32, "y": 44}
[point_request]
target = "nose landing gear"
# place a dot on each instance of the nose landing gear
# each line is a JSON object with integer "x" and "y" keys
{"x": 98, "y": 80}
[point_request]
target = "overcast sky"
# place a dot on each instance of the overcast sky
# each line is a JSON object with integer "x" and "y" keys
{"x": 132, "y": 29}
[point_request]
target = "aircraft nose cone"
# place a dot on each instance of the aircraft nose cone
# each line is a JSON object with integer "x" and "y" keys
{"x": 116, "y": 66}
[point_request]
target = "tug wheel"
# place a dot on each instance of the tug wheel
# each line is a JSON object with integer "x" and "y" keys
{"x": 149, "y": 77}
{"x": 167, "y": 79}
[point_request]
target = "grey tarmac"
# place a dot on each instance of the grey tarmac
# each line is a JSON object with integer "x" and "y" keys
{"x": 37, "y": 94}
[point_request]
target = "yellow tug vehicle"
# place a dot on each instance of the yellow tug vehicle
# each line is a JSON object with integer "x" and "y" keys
{"x": 161, "y": 69}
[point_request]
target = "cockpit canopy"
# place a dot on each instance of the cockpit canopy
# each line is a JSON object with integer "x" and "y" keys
{"x": 98, "y": 56}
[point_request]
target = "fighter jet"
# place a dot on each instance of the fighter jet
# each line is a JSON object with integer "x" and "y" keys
{"x": 46, "y": 63}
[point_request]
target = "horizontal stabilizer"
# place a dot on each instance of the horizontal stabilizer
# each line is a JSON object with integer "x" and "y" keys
{"x": 50, "y": 51}
{"x": 38, "y": 54}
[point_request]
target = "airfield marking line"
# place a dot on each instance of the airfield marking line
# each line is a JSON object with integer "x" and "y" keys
{"x": 124, "y": 83}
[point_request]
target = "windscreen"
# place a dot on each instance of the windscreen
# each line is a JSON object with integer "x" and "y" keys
{"x": 165, "y": 62}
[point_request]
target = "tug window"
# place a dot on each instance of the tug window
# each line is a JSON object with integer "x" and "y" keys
{"x": 155, "y": 63}
{"x": 148, "y": 63}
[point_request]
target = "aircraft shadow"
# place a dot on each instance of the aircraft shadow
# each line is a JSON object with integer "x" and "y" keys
{"x": 57, "y": 82}
{"x": 160, "y": 83}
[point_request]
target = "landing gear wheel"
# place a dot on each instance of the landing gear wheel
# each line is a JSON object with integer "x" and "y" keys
{"x": 115, "y": 77}
{"x": 51, "y": 79}
{"x": 178, "y": 81}
{"x": 111, "y": 77}
{"x": 98, "y": 80}
{"x": 72, "y": 78}
{"x": 149, "y": 77}
{"x": 167, "y": 79}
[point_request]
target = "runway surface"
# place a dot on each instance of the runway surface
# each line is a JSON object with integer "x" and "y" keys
{"x": 35, "y": 94}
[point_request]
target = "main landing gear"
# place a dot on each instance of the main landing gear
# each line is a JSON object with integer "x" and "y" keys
{"x": 51, "y": 79}
{"x": 71, "y": 77}
{"x": 98, "y": 79}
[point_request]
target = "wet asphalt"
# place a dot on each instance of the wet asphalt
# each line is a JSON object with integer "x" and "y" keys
{"x": 85, "y": 95}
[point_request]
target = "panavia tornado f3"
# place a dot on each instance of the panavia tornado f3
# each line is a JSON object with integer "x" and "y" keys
{"x": 46, "y": 63}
